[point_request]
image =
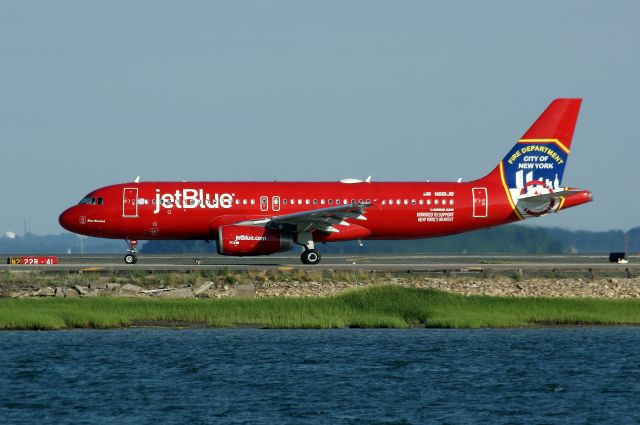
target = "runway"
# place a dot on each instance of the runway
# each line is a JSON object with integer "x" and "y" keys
{"x": 396, "y": 263}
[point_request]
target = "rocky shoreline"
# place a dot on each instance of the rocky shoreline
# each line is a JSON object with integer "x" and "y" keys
{"x": 599, "y": 287}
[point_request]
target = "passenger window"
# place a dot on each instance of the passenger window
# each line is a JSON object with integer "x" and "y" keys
{"x": 284, "y": 202}
{"x": 321, "y": 201}
{"x": 337, "y": 201}
{"x": 330, "y": 201}
{"x": 315, "y": 202}
{"x": 413, "y": 202}
{"x": 390, "y": 201}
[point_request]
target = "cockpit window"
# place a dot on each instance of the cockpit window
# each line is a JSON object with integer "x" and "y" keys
{"x": 100, "y": 201}
{"x": 88, "y": 200}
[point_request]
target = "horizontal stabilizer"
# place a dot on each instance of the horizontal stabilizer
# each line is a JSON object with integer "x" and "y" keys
{"x": 548, "y": 196}
{"x": 538, "y": 205}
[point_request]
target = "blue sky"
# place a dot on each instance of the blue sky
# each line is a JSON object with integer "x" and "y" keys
{"x": 95, "y": 93}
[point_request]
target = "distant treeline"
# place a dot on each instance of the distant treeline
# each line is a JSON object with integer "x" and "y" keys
{"x": 513, "y": 238}
{"x": 505, "y": 239}
{"x": 60, "y": 244}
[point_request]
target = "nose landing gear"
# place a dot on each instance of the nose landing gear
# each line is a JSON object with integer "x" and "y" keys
{"x": 131, "y": 257}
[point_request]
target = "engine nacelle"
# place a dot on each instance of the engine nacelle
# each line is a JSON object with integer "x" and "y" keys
{"x": 252, "y": 240}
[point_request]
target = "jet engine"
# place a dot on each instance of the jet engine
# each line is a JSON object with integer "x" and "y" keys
{"x": 240, "y": 240}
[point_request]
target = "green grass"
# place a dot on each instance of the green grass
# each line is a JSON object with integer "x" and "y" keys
{"x": 373, "y": 307}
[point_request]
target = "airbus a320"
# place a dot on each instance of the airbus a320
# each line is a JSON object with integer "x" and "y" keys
{"x": 262, "y": 218}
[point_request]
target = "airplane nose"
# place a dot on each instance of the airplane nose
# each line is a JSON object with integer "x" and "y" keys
{"x": 66, "y": 219}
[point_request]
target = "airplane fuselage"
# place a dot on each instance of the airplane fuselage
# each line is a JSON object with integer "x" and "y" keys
{"x": 196, "y": 210}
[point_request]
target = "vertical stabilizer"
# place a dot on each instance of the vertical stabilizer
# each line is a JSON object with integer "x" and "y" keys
{"x": 535, "y": 165}
{"x": 539, "y": 157}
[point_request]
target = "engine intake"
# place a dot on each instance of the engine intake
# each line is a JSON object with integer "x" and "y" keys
{"x": 252, "y": 240}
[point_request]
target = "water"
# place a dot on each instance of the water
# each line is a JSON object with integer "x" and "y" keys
{"x": 581, "y": 375}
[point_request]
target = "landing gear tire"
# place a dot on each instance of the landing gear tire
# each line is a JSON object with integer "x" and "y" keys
{"x": 310, "y": 256}
{"x": 130, "y": 259}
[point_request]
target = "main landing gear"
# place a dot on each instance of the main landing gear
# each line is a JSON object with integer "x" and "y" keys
{"x": 310, "y": 254}
{"x": 131, "y": 257}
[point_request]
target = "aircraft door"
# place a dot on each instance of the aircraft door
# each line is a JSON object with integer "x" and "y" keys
{"x": 480, "y": 202}
{"x": 130, "y": 202}
{"x": 264, "y": 203}
{"x": 275, "y": 203}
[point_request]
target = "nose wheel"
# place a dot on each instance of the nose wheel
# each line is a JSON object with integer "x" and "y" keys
{"x": 310, "y": 256}
{"x": 131, "y": 257}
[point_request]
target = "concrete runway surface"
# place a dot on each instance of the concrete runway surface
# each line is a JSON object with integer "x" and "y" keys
{"x": 416, "y": 263}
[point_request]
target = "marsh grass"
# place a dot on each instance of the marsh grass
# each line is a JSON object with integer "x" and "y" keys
{"x": 373, "y": 307}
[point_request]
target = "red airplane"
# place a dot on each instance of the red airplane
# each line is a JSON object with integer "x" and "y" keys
{"x": 261, "y": 218}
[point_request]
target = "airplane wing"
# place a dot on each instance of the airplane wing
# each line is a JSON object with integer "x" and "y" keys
{"x": 322, "y": 219}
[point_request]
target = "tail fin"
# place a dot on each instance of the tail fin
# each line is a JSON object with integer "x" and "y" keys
{"x": 537, "y": 161}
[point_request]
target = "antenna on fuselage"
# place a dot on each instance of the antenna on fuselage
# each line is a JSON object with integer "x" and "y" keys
{"x": 137, "y": 180}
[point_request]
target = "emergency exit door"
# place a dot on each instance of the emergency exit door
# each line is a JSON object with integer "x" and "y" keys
{"x": 264, "y": 203}
{"x": 130, "y": 202}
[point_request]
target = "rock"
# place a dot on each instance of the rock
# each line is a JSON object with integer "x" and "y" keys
{"x": 82, "y": 290}
{"x": 17, "y": 294}
{"x": 59, "y": 293}
{"x": 203, "y": 288}
{"x": 45, "y": 292}
{"x": 98, "y": 285}
{"x": 243, "y": 290}
{"x": 70, "y": 293}
{"x": 111, "y": 286}
{"x": 131, "y": 288}
{"x": 92, "y": 293}
{"x": 177, "y": 293}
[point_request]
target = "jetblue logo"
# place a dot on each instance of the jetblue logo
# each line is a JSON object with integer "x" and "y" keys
{"x": 190, "y": 199}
